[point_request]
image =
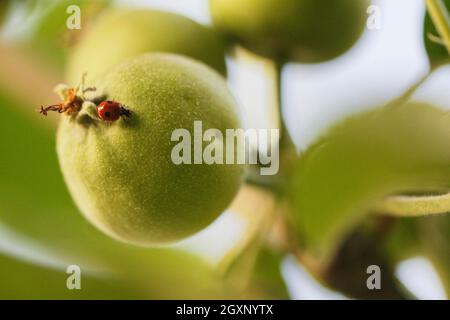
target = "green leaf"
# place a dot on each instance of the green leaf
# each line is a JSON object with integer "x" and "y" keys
{"x": 249, "y": 267}
{"x": 23, "y": 280}
{"x": 404, "y": 239}
{"x": 49, "y": 35}
{"x": 436, "y": 243}
{"x": 363, "y": 247}
{"x": 266, "y": 281}
{"x": 34, "y": 202}
{"x": 391, "y": 150}
{"x": 422, "y": 236}
{"x": 256, "y": 273}
{"x": 4, "y": 6}
{"x": 437, "y": 53}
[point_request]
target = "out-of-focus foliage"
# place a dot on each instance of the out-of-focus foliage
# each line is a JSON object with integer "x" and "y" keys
{"x": 4, "y": 6}
{"x": 251, "y": 265}
{"x": 436, "y": 242}
{"x": 403, "y": 241}
{"x": 48, "y": 34}
{"x": 266, "y": 280}
{"x": 422, "y": 236}
{"x": 256, "y": 271}
{"x": 22, "y": 280}
{"x": 437, "y": 52}
{"x": 395, "y": 149}
{"x": 362, "y": 247}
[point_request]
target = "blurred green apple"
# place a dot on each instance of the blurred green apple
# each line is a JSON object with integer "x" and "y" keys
{"x": 121, "y": 174}
{"x": 298, "y": 30}
{"x": 122, "y": 33}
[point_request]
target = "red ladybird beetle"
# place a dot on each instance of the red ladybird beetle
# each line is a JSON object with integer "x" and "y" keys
{"x": 111, "y": 111}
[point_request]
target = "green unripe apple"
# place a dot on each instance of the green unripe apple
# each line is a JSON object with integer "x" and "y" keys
{"x": 299, "y": 30}
{"x": 121, "y": 33}
{"x": 121, "y": 174}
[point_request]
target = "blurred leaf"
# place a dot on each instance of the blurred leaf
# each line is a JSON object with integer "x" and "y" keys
{"x": 27, "y": 79}
{"x": 256, "y": 273}
{"x": 34, "y": 202}
{"x": 255, "y": 206}
{"x": 404, "y": 239}
{"x": 4, "y": 6}
{"x": 22, "y": 280}
{"x": 363, "y": 247}
{"x": 437, "y": 53}
{"x": 249, "y": 267}
{"x": 436, "y": 242}
{"x": 422, "y": 236}
{"x": 266, "y": 281}
{"x": 49, "y": 34}
{"x": 240, "y": 270}
{"x": 395, "y": 150}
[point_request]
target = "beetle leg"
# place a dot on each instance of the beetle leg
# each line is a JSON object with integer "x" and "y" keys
{"x": 54, "y": 107}
{"x": 125, "y": 112}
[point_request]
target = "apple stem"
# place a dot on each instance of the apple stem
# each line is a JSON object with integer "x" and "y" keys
{"x": 411, "y": 90}
{"x": 286, "y": 143}
{"x": 409, "y": 206}
{"x": 287, "y": 148}
{"x": 88, "y": 114}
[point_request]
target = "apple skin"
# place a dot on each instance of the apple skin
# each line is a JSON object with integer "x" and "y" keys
{"x": 121, "y": 174}
{"x": 307, "y": 31}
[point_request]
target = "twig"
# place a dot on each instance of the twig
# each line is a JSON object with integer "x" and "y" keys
{"x": 441, "y": 19}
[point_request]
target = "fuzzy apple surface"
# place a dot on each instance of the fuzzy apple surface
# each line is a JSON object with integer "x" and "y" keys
{"x": 299, "y": 30}
{"x": 121, "y": 174}
{"x": 122, "y": 33}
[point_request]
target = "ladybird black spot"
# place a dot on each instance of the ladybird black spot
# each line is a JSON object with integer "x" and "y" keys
{"x": 108, "y": 114}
